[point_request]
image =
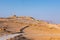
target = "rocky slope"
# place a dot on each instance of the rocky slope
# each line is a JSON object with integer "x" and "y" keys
{"x": 31, "y": 28}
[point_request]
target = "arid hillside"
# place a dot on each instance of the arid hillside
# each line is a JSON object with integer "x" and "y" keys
{"x": 30, "y": 27}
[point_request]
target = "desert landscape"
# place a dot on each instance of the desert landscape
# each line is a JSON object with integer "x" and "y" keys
{"x": 28, "y": 28}
{"x": 29, "y": 20}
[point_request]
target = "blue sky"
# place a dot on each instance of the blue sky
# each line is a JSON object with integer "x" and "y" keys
{"x": 39, "y": 9}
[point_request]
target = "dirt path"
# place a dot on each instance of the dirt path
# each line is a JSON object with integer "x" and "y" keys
{"x": 5, "y": 37}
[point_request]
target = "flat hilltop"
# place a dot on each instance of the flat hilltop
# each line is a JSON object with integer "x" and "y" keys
{"x": 31, "y": 28}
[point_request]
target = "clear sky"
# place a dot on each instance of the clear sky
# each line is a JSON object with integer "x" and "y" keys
{"x": 40, "y": 9}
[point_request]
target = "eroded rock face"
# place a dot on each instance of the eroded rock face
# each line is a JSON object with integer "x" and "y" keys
{"x": 19, "y": 37}
{"x": 36, "y": 30}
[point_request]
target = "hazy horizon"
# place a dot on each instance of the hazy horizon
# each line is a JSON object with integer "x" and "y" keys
{"x": 40, "y": 9}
